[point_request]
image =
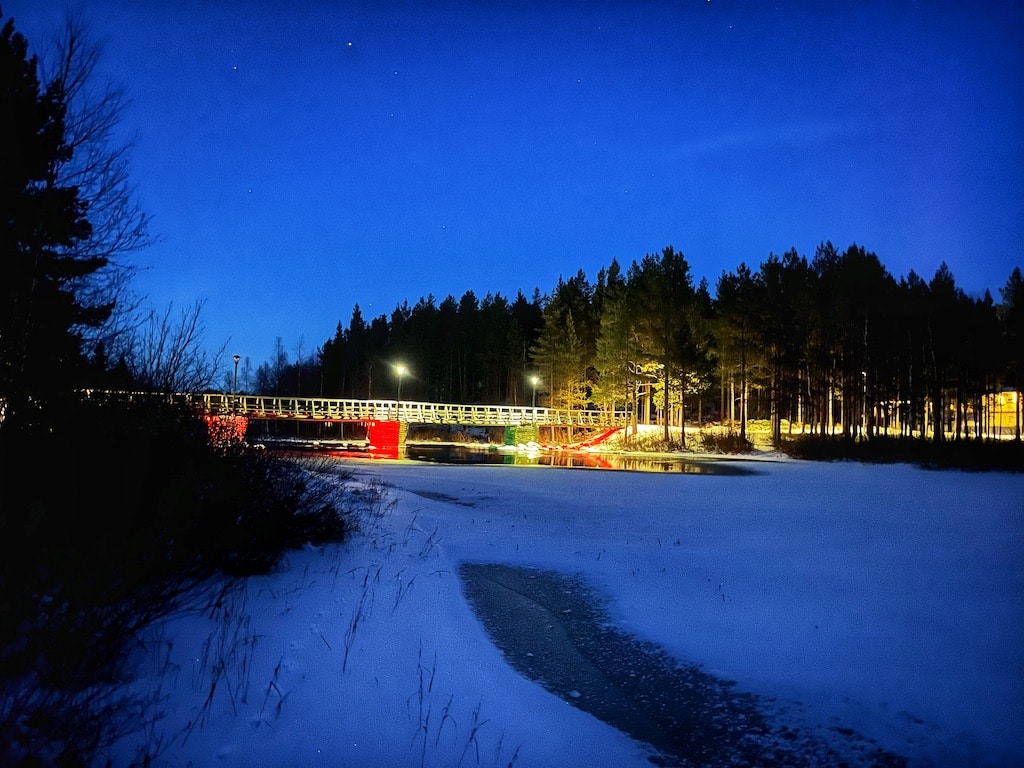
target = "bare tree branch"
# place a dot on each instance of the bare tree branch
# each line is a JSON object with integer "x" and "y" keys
{"x": 167, "y": 352}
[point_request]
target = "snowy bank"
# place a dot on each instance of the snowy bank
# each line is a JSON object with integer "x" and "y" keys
{"x": 866, "y": 607}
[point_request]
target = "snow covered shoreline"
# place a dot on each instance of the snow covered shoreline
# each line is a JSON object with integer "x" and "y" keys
{"x": 882, "y": 599}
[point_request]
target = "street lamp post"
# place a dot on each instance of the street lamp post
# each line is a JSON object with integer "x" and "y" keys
{"x": 535, "y": 380}
{"x": 234, "y": 387}
{"x": 401, "y": 370}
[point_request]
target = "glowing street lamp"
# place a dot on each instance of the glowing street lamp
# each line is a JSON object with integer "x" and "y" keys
{"x": 535, "y": 380}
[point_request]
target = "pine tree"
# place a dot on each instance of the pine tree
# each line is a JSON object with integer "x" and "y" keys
{"x": 735, "y": 335}
{"x": 40, "y": 315}
{"x": 560, "y": 358}
{"x": 616, "y": 348}
{"x": 663, "y": 298}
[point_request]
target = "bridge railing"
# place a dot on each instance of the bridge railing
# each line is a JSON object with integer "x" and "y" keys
{"x": 329, "y": 409}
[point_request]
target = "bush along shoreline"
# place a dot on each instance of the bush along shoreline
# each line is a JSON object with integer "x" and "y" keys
{"x": 975, "y": 455}
{"x": 115, "y": 518}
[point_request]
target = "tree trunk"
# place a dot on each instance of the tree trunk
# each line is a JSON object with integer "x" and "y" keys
{"x": 666, "y": 410}
{"x": 743, "y": 394}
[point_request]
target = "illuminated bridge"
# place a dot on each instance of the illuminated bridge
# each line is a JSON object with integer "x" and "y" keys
{"x": 409, "y": 412}
{"x": 387, "y": 421}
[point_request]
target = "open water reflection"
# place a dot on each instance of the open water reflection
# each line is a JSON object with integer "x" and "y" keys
{"x": 465, "y": 454}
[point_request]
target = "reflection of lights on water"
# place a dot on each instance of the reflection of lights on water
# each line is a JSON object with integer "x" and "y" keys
{"x": 512, "y": 456}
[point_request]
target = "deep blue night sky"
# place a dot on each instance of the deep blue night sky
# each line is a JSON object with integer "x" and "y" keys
{"x": 299, "y": 158}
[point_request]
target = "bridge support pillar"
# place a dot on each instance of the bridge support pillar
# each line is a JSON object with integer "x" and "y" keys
{"x": 386, "y": 436}
{"x": 522, "y": 434}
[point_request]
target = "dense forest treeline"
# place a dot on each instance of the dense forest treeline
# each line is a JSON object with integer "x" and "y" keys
{"x": 833, "y": 343}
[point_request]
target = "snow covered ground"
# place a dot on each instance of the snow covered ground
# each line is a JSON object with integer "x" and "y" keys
{"x": 879, "y": 609}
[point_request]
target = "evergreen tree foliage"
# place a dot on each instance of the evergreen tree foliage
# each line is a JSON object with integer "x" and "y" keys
{"x": 735, "y": 330}
{"x": 617, "y": 347}
{"x": 700, "y": 380}
{"x": 663, "y": 298}
{"x": 560, "y": 358}
{"x": 41, "y": 359}
{"x": 783, "y": 297}
{"x": 1013, "y": 339}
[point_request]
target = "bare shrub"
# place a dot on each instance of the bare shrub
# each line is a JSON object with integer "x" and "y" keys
{"x": 723, "y": 442}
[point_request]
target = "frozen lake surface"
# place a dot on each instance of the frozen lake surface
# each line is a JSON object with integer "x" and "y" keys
{"x": 872, "y": 612}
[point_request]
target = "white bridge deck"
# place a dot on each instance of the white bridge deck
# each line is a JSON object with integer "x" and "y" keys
{"x": 412, "y": 412}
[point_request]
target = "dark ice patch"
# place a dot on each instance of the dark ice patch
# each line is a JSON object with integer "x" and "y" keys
{"x": 444, "y": 497}
{"x": 553, "y": 630}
